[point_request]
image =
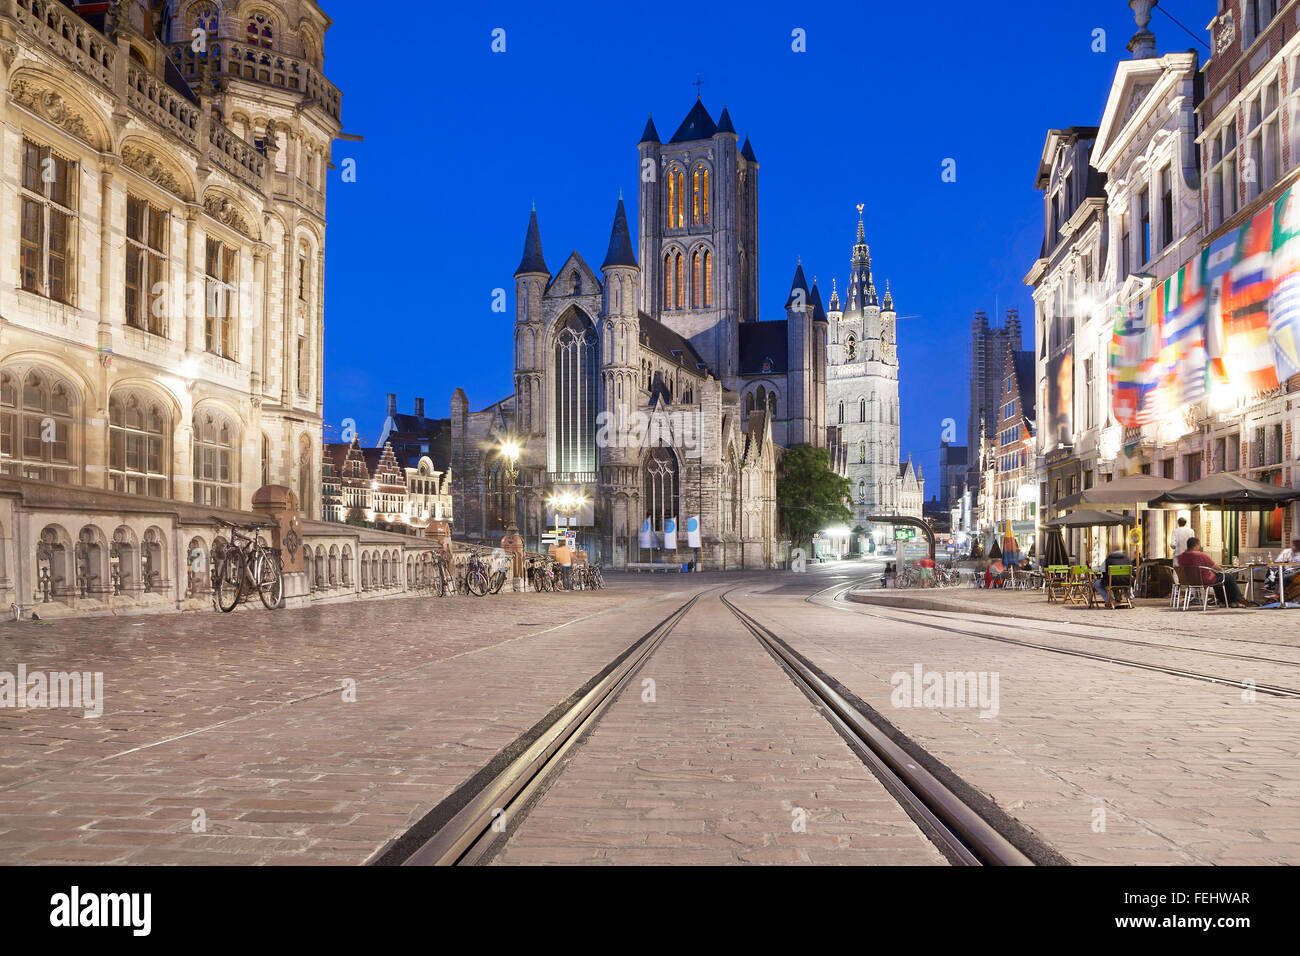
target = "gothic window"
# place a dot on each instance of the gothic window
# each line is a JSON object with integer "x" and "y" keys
{"x": 760, "y": 400}
{"x": 749, "y": 403}
{"x": 677, "y": 215}
{"x": 862, "y": 452}
{"x": 660, "y": 500}
{"x": 841, "y": 413}
{"x": 304, "y": 366}
{"x": 216, "y": 460}
{"x": 697, "y": 278}
{"x": 205, "y": 19}
{"x": 668, "y": 281}
{"x": 862, "y": 409}
{"x": 771, "y": 404}
{"x": 146, "y": 266}
{"x": 679, "y": 280}
{"x": 700, "y": 196}
{"x": 708, "y": 277}
{"x": 222, "y": 300}
{"x": 576, "y": 384}
{"x": 49, "y": 214}
{"x": 38, "y": 413}
{"x": 862, "y": 491}
{"x": 139, "y": 444}
{"x": 261, "y": 30}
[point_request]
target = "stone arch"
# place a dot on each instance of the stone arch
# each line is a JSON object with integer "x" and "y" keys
{"x": 124, "y": 561}
{"x": 94, "y": 576}
{"x": 229, "y": 209}
{"x": 365, "y": 571}
{"x": 49, "y": 97}
{"x": 308, "y": 567}
{"x": 145, "y": 156}
{"x": 334, "y": 566}
{"x": 55, "y": 577}
{"x": 153, "y": 560}
{"x": 345, "y": 568}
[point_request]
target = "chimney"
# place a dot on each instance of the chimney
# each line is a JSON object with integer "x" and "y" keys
{"x": 1143, "y": 44}
{"x": 392, "y": 404}
{"x": 419, "y": 408}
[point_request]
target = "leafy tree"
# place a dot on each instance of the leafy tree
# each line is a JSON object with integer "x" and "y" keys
{"x": 810, "y": 496}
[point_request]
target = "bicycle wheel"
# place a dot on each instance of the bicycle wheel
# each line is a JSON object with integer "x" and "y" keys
{"x": 476, "y": 582}
{"x": 270, "y": 582}
{"x": 498, "y": 582}
{"x": 230, "y": 580}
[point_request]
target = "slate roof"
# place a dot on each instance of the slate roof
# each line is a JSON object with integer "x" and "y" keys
{"x": 724, "y": 122}
{"x": 819, "y": 313}
{"x": 799, "y": 283}
{"x": 532, "y": 260}
{"x": 620, "y": 251}
{"x": 760, "y": 341}
{"x": 650, "y": 135}
{"x": 663, "y": 340}
{"x": 697, "y": 125}
{"x": 748, "y": 151}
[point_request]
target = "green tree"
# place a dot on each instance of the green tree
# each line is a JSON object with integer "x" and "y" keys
{"x": 810, "y": 496}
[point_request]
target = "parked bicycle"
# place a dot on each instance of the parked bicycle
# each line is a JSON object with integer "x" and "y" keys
{"x": 540, "y": 576}
{"x": 249, "y": 564}
{"x": 477, "y": 579}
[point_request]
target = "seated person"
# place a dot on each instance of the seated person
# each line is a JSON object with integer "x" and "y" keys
{"x": 1288, "y": 556}
{"x": 1211, "y": 573}
{"x": 1116, "y": 558}
{"x": 995, "y": 575}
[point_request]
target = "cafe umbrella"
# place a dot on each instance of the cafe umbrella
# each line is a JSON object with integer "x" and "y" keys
{"x": 1088, "y": 519}
{"x": 1229, "y": 493}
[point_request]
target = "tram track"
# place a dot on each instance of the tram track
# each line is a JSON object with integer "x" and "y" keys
{"x": 958, "y": 828}
{"x": 876, "y": 612}
{"x": 468, "y": 826}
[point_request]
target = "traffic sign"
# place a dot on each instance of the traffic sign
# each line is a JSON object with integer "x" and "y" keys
{"x": 904, "y": 534}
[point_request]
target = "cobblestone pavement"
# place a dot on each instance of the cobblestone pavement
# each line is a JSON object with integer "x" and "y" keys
{"x": 729, "y": 763}
{"x": 242, "y": 718}
{"x": 1175, "y": 770}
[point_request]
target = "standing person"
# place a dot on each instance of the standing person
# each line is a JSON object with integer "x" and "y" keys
{"x": 564, "y": 558}
{"x": 1211, "y": 573}
{"x": 1181, "y": 536}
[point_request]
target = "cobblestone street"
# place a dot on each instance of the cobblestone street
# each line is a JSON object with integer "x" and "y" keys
{"x": 231, "y": 739}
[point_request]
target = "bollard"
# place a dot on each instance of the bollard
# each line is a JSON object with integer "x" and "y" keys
{"x": 278, "y": 506}
{"x": 514, "y": 544}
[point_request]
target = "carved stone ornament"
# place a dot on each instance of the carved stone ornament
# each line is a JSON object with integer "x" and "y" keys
{"x": 8, "y": 52}
{"x": 223, "y": 210}
{"x": 147, "y": 165}
{"x": 51, "y": 106}
{"x": 1227, "y": 33}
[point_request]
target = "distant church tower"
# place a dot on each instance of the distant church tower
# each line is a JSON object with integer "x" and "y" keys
{"x": 698, "y": 231}
{"x": 862, "y": 391}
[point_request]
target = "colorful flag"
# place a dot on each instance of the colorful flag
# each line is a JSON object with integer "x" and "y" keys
{"x": 1182, "y": 343}
{"x": 1133, "y": 366}
{"x": 1216, "y": 264}
{"x": 1248, "y": 350}
{"x": 1284, "y": 307}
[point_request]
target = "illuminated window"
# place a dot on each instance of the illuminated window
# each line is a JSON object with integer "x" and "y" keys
{"x": 679, "y": 266}
{"x": 261, "y": 30}
{"x": 676, "y": 199}
{"x": 222, "y": 299}
{"x": 697, "y": 278}
{"x": 49, "y": 199}
{"x": 668, "y": 281}
{"x": 146, "y": 266}
{"x": 708, "y": 276}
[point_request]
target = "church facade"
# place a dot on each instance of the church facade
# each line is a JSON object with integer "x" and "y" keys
{"x": 862, "y": 394}
{"x": 650, "y": 387}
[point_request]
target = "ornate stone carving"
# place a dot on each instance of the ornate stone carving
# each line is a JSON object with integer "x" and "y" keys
{"x": 223, "y": 210}
{"x": 50, "y": 105}
{"x": 1227, "y": 33}
{"x": 8, "y": 53}
{"x": 147, "y": 165}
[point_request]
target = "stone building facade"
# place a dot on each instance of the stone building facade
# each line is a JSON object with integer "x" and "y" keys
{"x": 652, "y": 389}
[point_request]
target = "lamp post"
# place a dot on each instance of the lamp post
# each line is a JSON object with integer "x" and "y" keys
{"x": 512, "y": 543}
{"x": 566, "y": 503}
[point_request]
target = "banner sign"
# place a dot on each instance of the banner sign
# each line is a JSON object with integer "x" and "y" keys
{"x": 693, "y": 532}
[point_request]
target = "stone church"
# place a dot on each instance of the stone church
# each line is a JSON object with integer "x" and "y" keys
{"x": 862, "y": 394}
{"x": 649, "y": 386}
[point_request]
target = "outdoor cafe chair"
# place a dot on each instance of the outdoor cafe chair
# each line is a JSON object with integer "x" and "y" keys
{"x": 1191, "y": 587}
{"x": 1078, "y": 587}
{"x": 1175, "y": 585}
{"x": 1119, "y": 595}
{"x": 1057, "y": 578}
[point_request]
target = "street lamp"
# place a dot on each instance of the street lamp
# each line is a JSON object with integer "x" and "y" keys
{"x": 510, "y": 452}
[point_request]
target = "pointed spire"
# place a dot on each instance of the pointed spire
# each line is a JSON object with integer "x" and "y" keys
{"x": 818, "y": 312}
{"x": 748, "y": 152}
{"x": 800, "y": 284}
{"x": 697, "y": 125}
{"x": 862, "y": 232}
{"x": 889, "y": 298}
{"x": 620, "y": 241}
{"x": 650, "y": 135}
{"x": 724, "y": 122}
{"x": 835, "y": 296}
{"x": 532, "y": 261}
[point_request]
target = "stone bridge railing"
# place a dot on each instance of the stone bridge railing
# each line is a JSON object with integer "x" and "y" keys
{"x": 67, "y": 551}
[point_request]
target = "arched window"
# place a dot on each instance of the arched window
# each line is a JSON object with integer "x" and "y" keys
{"x": 139, "y": 444}
{"x": 749, "y": 403}
{"x": 660, "y": 501}
{"x": 697, "y": 279}
{"x": 760, "y": 399}
{"x": 862, "y": 452}
{"x": 576, "y": 385}
{"x": 841, "y": 413}
{"x": 708, "y": 279}
{"x": 668, "y": 280}
{"x": 680, "y": 212}
{"x": 679, "y": 267}
{"x": 862, "y": 491}
{"x": 771, "y": 403}
{"x": 216, "y": 460}
{"x": 261, "y": 30}
{"x": 204, "y": 17}
{"x": 700, "y": 196}
{"x": 862, "y": 409}
{"x": 38, "y": 414}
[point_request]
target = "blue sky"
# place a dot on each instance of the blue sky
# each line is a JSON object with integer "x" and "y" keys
{"x": 460, "y": 141}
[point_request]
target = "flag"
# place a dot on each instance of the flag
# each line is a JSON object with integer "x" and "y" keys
{"x": 1216, "y": 264}
{"x": 1248, "y": 350}
{"x": 1133, "y": 366}
{"x": 670, "y": 534}
{"x": 646, "y": 538}
{"x": 1182, "y": 341}
{"x": 1284, "y": 307}
{"x": 693, "y": 532}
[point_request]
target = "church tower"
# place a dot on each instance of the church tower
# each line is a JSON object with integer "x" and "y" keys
{"x": 862, "y": 386}
{"x": 698, "y": 234}
{"x": 531, "y": 279}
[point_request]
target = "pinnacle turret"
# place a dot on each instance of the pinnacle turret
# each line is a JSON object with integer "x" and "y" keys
{"x": 620, "y": 251}
{"x": 532, "y": 260}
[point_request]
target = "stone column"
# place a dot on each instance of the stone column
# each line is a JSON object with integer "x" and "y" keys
{"x": 279, "y": 506}
{"x": 196, "y": 304}
{"x": 514, "y": 544}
